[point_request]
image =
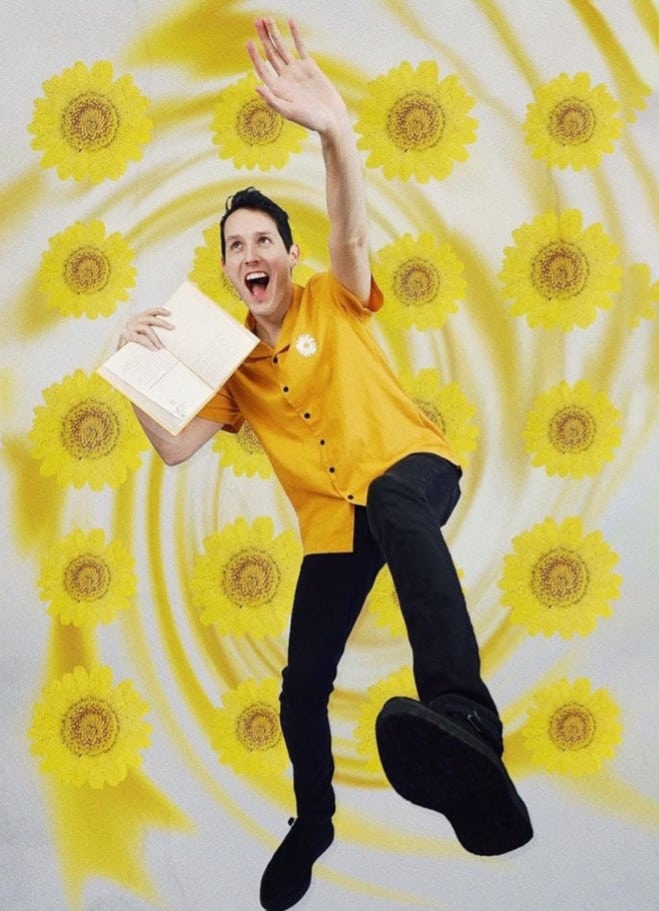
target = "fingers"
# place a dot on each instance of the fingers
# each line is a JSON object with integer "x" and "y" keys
{"x": 274, "y": 47}
{"x": 261, "y": 67}
{"x": 140, "y": 328}
{"x": 268, "y": 50}
{"x": 297, "y": 38}
{"x": 276, "y": 43}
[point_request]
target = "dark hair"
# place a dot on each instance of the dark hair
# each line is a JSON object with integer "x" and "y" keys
{"x": 251, "y": 198}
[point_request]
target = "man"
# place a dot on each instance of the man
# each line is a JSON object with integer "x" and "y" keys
{"x": 372, "y": 481}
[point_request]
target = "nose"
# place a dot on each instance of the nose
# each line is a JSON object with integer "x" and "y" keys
{"x": 251, "y": 252}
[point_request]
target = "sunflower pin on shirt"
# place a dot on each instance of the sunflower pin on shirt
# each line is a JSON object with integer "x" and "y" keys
{"x": 306, "y": 345}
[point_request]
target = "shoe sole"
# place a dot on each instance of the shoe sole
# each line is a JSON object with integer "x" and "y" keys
{"x": 435, "y": 763}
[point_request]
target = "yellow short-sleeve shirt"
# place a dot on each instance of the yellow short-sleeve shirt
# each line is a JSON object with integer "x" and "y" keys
{"x": 327, "y": 408}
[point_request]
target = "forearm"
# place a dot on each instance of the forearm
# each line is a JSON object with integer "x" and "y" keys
{"x": 344, "y": 181}
{"x": 176, "y": 449}
{"x": 171, "y": 449}
{"x": 346, "y": 206}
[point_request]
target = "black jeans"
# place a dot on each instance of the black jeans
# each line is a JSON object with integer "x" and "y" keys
{"x": 400, "y": 525}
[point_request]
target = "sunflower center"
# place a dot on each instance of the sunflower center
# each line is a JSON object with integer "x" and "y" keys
{"x": 87, "y": 578}
{"x": 257, "y": 728}
{"x": 572, "y": 122}
{"x": 251, "y": 578}
{"x": 415, "y": 122}
{"x": 432, "y": 412}
{"x": 248, "y": 440}
{"x": 560, "y": 578}
{"x": 416, "y": 283}
{"x": 572, "y": 727}
{"x": 90, "y": 727}
{"x": 90, "y": 430}
{"x": 87, "y": 270}
{"x": 560, "y": 270}
{"x": 90, "y": 122}
{"x": 572, "y": 429}
{"x": 257, "y": 124}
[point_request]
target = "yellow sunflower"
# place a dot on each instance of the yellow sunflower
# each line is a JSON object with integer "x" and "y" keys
{"x": 383, "y": 601}
{"x": 448, "y": 408}
{"x": 250, "y": 132}
{"x": 85, "y": 273}
{"x": 87, "y": 731}
{"x": 86, "y": 433}
{"x": 572, "y": 730}
{"x": 559, "y": 581}
{"x": 643, "y": 294}
{"x": 246, "y": 730}
{"x": 571, "y": 124}
{"x": 243, "y": 582}
{"x": 413, "y": 125}
{"x": 86, "y": 580}
{"x": 398, "y": 683}
{"x": 421, "y": 281}
{"x": 89, "y": 126}
{"x": 571, "y": 430}
{"x": 243, "y": 453}
{"x": 558, "y": 274}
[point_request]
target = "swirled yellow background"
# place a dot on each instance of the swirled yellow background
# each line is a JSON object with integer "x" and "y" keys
{"x": 186, "y": 830}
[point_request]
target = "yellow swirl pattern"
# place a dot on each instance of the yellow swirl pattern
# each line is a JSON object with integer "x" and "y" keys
{"x": 166, "y": 196}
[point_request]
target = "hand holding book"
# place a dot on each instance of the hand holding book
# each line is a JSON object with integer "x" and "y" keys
{"x": 186, "y": 351}
{"x": 141, "y": 328}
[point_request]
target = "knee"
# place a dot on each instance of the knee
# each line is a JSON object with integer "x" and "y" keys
{"x": 413, "y": 498}
{"x": 384, "y": 492}
{"x": 388, "y": 500}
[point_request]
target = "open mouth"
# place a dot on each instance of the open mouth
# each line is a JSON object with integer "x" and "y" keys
{"x": 257, "y": 283}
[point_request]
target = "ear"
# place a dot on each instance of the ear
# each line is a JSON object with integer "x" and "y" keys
{"x": 294, "y": 255}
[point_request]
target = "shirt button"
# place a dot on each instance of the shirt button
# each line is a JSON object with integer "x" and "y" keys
{"x": 275, "y": 359}
{"x": 322, "y": 442}
{"x": 284, "y": 389}
{"x": 350, "y": 496}
{"x": 332, "y": 469}
{"x": 307, "y": 415}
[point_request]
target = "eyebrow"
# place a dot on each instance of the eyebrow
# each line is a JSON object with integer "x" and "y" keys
{"x": 266, "y": 232}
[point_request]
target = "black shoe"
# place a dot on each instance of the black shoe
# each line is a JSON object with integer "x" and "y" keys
{"x": 288, "y": 875}
{"x": 445, "y": 762}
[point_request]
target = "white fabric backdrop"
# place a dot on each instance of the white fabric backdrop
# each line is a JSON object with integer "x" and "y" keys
{"x": 202, "y": 834}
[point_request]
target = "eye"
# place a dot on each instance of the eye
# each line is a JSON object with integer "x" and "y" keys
{"x": 265, "y": 239}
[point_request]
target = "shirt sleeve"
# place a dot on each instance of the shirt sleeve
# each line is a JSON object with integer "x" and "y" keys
{"x": 223, "y": 409}
{"x": 347, "y": 299}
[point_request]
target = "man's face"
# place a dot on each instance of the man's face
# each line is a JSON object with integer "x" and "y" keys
{"x": 258, "y": 264}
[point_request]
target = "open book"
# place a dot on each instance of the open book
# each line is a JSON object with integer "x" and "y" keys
{"x": 172, "y": 384}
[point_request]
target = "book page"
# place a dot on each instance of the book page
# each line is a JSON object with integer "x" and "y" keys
{"x": 172, "y": 384}
{"x": 158, "y": 383}
{"x": 206, "y": 338}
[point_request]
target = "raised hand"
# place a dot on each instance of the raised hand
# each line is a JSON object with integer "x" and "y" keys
{"x": 294, "y": 86}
